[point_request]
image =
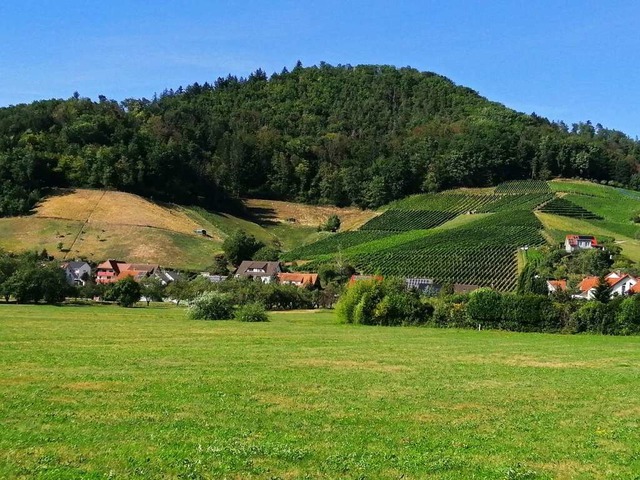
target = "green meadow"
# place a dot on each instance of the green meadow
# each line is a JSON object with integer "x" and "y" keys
{"x": 107, "y": 392}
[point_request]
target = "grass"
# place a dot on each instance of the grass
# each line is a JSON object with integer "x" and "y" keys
{"x": 104, "y": 224}
{"x": 95, "y": 392}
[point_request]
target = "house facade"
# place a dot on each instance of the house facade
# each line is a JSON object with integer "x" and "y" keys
{"x": 77, "y": 272}
{"x": 266, "y": 272}
{"x": 113, "y": 270}
{"x": 620, "y": 284}
{"x": 573, "y": 243}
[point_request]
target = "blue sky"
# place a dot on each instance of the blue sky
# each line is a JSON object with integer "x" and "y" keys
{"x": 567, "y": 60}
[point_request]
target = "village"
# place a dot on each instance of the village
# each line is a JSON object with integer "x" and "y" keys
{"x": 79, "y": 273}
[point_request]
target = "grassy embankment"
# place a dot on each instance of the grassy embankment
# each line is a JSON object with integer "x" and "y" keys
{"x": 94, "y": 392}
{"x": 99, "y": 225}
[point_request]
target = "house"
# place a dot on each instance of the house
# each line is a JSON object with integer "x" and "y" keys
{"x": 167, "y": 276}
{"x": 77, "y": 272}
{"x": 214, "y": 278}
{"x": 266, "y": 272}
{"x": 113, "y": 270}
{"x": 574, "y": 243}
{"x": 556, "y": 286}
{"x": 299, "y": 279}
{"x": 426, "y": 286}
{"x": 620, "y": 284}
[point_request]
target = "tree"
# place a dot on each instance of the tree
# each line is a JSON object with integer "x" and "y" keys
{"x": 239, "y": 246}
{"x": 151, "y": 289}
{"x": 602, "y": 292}
{"x": 126, "y": 292}
{"x": 211, "y": 306}
{"x": 178, "y": 291}
{"x": 332, "y": 224}
{"x": 54, "y": 284}
{"x": 267, "y": 254}
{"x": 220, "y": 266}
{"x": 530, "y": 282}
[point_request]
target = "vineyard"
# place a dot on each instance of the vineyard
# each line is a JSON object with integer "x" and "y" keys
{"x": 520, "y": 187}
{"x": 566, "y": 208}
{"x": 418, "y": 236}
{"x": 444, "y": 202}
{"x": 527, "y": 202}
{"x": 482, "y": 253}
{"x": 335, "y": 243}
{"x": 404, "y": 220}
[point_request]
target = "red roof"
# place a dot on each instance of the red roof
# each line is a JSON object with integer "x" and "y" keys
{"x": 592, "y": 282}
{"x": 635, "y": 288}
{"x": 573, "y": 239}
{"x": 298, "y": 278}
{"x": 558, "y": 284}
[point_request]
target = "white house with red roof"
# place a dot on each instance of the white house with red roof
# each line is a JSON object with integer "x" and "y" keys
{"x": 556, "y": 286}
{"x": 574, "y": 243}
{"x": 113, "y": 270}
{"x": 620, "y": 284}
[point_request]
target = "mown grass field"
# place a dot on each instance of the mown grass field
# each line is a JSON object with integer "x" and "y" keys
{"x": 105, "y": 392}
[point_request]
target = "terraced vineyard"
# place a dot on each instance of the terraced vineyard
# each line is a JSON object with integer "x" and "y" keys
{"x": 520, "y": 187}
{"x": 444, "y": 202}
{"x": 504, "y": 203}
{"x": 481, "y": 253}
{"x": 335, "y": 243}
{"x": 566, "y": 208}
{"x": 405, "y": 220}
{"x": 495, "y": 266}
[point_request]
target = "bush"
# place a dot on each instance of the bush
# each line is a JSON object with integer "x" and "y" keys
{"x": 594, "y": 317}
{"x": 126, "y": 292}
{"x": 485, "y": 307}
{"x": 385, "y": 302}
{"x": 529, "y": 313}
{"x": 252, "y": 312}
{"x": 211, "y": 306}
{"x": 628, "y": 318}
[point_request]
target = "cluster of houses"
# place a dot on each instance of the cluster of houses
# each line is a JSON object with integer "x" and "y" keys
{"x": 110, "y": 271}
{"x": 619, "y": 283}
{"x": 79, "y": 273}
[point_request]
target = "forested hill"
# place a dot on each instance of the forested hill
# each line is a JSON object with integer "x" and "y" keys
{"x": 343, "y": 135}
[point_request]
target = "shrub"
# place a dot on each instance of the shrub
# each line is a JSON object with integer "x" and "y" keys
{"x": 593, "y": 316}
{"x": 211, "y": 306}
{"x": 126, "y": 292}
{"x": 628, "y": 318}
{"x": 385, "y": 302}
{"x": 485, "y": 307}
{"x": 251, "y": 312}
{"x": 529, "y": 313}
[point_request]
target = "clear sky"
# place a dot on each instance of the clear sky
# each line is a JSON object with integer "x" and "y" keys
{"x": 564, "y": 59}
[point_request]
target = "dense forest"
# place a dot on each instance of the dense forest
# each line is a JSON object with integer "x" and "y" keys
{"x": 342, "y": 135}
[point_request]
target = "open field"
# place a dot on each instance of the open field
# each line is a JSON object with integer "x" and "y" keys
{"x": 95, "y": 392}
{"x": 100, "y": 224}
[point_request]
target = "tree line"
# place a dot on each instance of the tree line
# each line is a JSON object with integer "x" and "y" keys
{"x": 341, "y": 135}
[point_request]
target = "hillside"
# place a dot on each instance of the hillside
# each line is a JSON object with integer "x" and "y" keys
{"x": 342, "y": 135}
{"x": 100, "y": 224}
{"x": 473, "y": 237}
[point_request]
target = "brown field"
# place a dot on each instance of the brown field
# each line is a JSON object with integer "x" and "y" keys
{"x": 105, "y": 207}
{"x": 307, "y": 215}
{"x": 97, "y": 225}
